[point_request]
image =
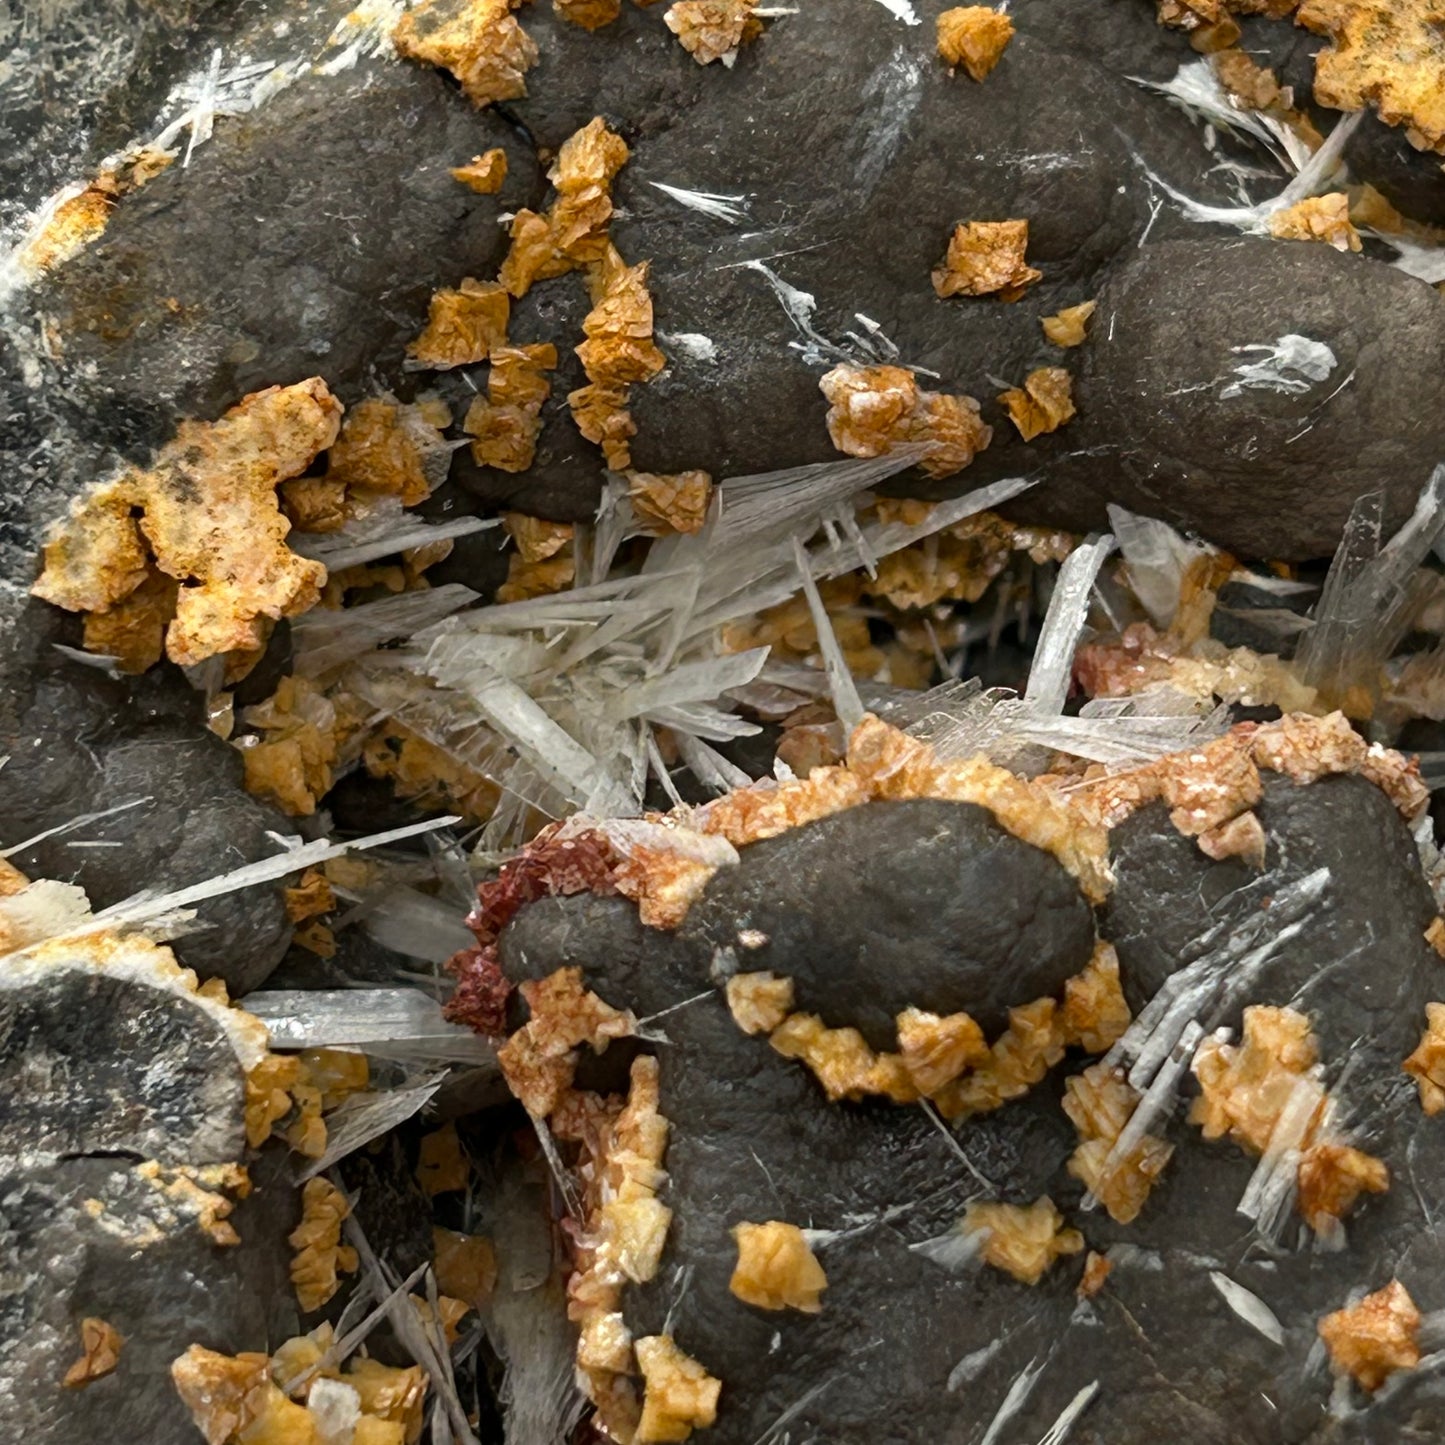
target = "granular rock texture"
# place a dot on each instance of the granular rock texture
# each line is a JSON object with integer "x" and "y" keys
{"x": 76, "y": 1054}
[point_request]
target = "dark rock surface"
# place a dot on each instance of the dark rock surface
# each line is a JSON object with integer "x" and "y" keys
{"x": 1169, "y": 338}
{"x": 891, "y": 905}
{"x": 79, "y": 743}
{"x": 78, "y": 79}
{"x": 1360, "y": 965}
{"x": 1411, "y": 180}
{"x": 282, "y": 273}
{"x": 304, "y": 237}
{"x": 605, "y": 939}
{"x": 147, "y": 1269}
{"x": 78, "y": 1049}
{"x": 104, "y": 1078}
{"x": 1263, "y": 620}
{"x": 753, "y": 1139}
{"x": 1047, "y": 137}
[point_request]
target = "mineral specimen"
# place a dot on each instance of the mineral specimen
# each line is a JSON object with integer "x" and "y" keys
{"x": 931, "y": 967}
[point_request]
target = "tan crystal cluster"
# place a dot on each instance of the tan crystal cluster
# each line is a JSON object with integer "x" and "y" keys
{"x": 1099, "y": 1103}
{"x": 422, "y": 771}
{"x": 1211, "y": 791}
{"x": 303, "y": 735}
{"x": 883, "y": 762}
{"x": 1042, "y": 404}
{"x": 975, "y": 37}
{"x": 1385, "y": 53}
{"x": 588, "y": 14}
{"x": 255, "y": 1399}
{"x": 623, "y": 1231}
{"x": 665, "y": 504}
{"x": 1199, "y": 667}
{"x": 540, "y": 1059}
{"x": 680, "y": 1395}
{"x": 82, "y": 217}
{"x": 958, "y": 563}
{"x": 759, "y": 1002}
{"x": 442, "y": 1165}
{"x": 1195, "y": 14}
{"x": 945, "y": 1059}
{"x": 505, "y": 424}
{"x": 318, "y": 1253}
{"x": 713, "y": 29}
{"x": 617, "y": 350}
{"x": 297, "y": 739}
{"x": 545, "y": 559}
{"x": 574, "y": 232}
{"x": 1318, "y": 218}
{"x": 666, "y": 875}
{"x": 485, "y": 173}
{"x": 1093, "y": 1016}
{"x": 1022, "y": 1240}
{"x": 196, "y": 1190}
{"x": 1253, "y": 86}
{"x": 306, "y": 904}
{"x": 872, "y": 409}
{"x": 205, "y": 515}
{"x": 841, "y": 1060}
{"x": 1069, "y": 327}
{"x": 100, "y": 1346}
{"x": 986, "y": 258}
{"x": 776, "y": 1268}
{"x": 464, "y": 325}
{"x": 302, "y": 1086}
{"x": 1427, "y": 1063}
{"x": 479, "y": 41}
{"x": 1373, "y": 1338}
{"x": 937, "y": 1048}
{"x": 1271, "y": 1082}
{"x": 617, "y": 353}
{"x": 465, "y": 1264}
{"x": 1097, "y": 1268}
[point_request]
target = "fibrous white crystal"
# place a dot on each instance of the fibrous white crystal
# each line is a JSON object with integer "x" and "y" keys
{"x": 1290, "y": 364}
{"x": 394, "y": 1019}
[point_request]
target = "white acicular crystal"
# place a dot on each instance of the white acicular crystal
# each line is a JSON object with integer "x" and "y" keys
{"x": 397, "y": 1018}
{"x": 1291, "y": 364}
{"x": 1369, "y": 597}
{"x": 720, "y": 208}
{"x": 1157, "y": 559}
{"x": 1052, "y": 669}
{"x": 325, "y": 638}
{"x": 1313, "y": 176}
{"x": 360, "y": 1118}
{"x": 1249, "y": 1307}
